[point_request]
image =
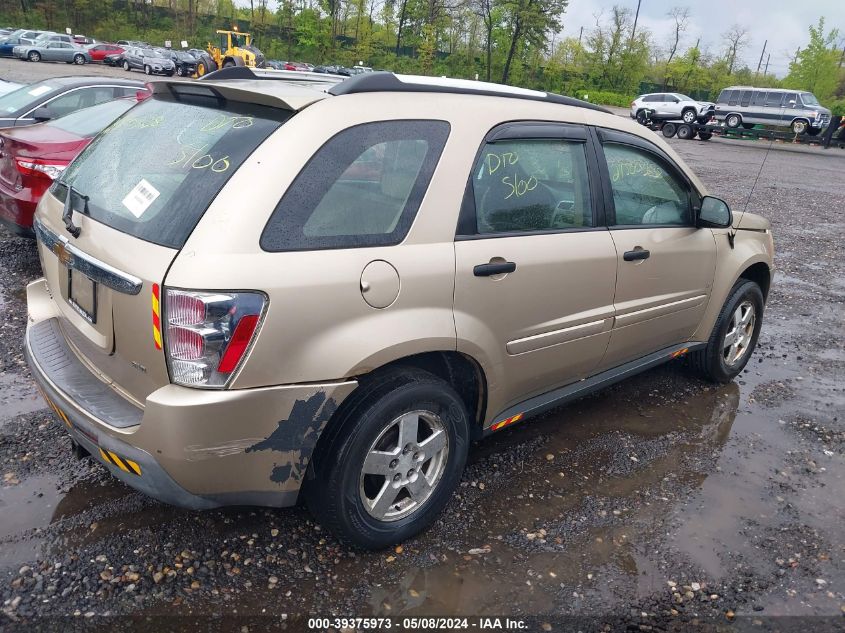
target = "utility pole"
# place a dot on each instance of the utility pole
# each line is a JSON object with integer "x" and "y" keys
{"x": 581, "y": 34}
{"x": 767, "y": 64}
{"x": 636, "y": 18}
{"x": 760, "y": 63}
{"x": 842, "y": 57}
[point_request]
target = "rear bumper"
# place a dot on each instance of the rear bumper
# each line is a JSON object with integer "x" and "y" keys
{"x": 17, "y": 209}
{"x": 187, "y": 447}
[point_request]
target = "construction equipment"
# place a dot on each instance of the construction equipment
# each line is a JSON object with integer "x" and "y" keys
{"x": 233, "y": 49}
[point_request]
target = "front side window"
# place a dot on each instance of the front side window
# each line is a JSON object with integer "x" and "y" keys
{"x": 746, "y": 98}
{"x": 644, "y": 190}
{"x": 733, "y": 99}
{"x": 759, "y": 98}
{"x": 809, "y": 99}
{"x": 531, "y": 185}
{"x": 362, "y": 188}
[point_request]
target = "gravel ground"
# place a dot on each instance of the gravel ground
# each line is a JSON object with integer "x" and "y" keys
{"x": 663, "y": 503}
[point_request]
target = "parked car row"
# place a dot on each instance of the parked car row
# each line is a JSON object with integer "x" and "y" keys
{"x": 45, "y": 125}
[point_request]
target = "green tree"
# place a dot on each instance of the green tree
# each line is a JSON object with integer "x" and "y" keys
{"x": 815, "y": 67}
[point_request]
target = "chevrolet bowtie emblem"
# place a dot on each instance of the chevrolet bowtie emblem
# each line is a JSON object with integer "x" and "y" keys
{"x": 61, "y": 252}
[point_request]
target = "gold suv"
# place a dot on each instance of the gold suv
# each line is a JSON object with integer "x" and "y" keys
{"x": 258, "y": 291}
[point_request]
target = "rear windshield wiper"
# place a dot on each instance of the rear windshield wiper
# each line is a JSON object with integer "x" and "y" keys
{"x": 67, "y": 215}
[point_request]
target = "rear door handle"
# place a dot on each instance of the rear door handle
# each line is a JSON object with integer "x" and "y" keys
{"x": 637, "y": 253}
{"x": 487, "y": 270}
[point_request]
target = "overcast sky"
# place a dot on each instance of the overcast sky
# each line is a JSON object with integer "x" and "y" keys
{"x": 783, "y": 22}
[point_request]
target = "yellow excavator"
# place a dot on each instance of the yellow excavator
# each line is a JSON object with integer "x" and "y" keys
{"x": 234, "y": 49}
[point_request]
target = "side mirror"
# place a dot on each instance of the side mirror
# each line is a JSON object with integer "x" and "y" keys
{"x": 676, "y": 100}
{"x": 42, "y": 114}
{"x": 714, "y": 213}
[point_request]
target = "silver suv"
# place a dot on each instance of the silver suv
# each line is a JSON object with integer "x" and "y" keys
{"x": 671, "y": 106}
{"x": 260, "y": 291}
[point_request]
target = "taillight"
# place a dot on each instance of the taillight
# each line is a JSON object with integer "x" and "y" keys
{"x": 207, "y": 334}
{"x": 39, "y": 168}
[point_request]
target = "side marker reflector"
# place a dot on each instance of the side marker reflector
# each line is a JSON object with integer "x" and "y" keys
{"x": 506, "y": 421}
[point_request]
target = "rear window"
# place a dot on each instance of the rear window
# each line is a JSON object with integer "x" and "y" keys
{"x": 23, "y": 97}
{"x": 155, "y": 171}
{"x": 362, "y": 188}
{"x": 91, "y": 121}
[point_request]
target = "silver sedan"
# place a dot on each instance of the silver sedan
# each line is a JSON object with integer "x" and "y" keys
{"x": 53, "y": 52}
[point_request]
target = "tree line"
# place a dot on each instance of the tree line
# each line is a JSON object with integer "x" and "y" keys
{"x": 520, "y": 42}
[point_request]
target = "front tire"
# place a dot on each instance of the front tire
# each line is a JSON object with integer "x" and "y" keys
{"x": 733, "y": 121}
{"x": 799, "y": 126}
{"x": 79, "y": 59}
{"x": 180, "y": 71}
{"x": 148, "y": 70}
{"x": 388, "y": 465}
{"x": 126, "y": 66}
{"x": 734, "y": 336}
{"x": 34, "y": 56}
{"x": 688, "y": 115}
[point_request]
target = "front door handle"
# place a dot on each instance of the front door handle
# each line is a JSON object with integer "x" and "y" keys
{"x": 637, "y": 253}
{"x": 488, "y": 270}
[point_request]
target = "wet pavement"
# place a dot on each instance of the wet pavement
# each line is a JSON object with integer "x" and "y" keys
{"x": 663, "y": 502}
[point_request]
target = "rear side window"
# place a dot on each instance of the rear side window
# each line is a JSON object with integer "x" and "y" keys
{"x": 154, "y": 172}
{"x": 362, "y": 188}
{"x": 531, "y": 185}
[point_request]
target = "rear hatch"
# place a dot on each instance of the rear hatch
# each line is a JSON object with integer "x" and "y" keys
{"x": 137, "y": 192}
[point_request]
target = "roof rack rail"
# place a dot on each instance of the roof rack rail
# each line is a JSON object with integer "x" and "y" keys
{"x": 245, "y": 72}
{"x": 390, "y": 82}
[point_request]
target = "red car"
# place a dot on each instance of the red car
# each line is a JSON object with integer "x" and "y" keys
{"x": 32, "y": 157}
{"x": 99, "y": 51}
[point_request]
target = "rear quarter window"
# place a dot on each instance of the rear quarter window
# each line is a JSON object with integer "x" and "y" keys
{"x": 362, "y": 188}
{"x": 154, "y": 171}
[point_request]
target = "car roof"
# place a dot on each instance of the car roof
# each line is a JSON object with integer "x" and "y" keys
{"x": 304, "y": 88}
{"x": 91, "y": 80}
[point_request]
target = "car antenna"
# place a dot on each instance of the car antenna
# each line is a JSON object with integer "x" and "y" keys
{"x": 732, "y": 235}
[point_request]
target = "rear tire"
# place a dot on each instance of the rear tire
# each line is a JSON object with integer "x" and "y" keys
{"x": 669, "y": 130}
{"x": 372, "y": 452}
{"x": 685, "y": 132}
{"x": 642, "y": 119}
{"x": 813, "y": 131}
{"x": 733, "y": 121}
{"x": 734, "y": 335}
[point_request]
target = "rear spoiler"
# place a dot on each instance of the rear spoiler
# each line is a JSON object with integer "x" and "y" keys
{"x": 286, "y": 97}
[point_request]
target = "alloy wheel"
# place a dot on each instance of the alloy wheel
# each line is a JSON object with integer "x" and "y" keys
{"x": 404, "y": 466}
{"x": 740, "y": 332}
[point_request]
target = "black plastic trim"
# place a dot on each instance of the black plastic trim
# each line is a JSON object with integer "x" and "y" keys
{"x": 540, "y": 404}
{"x": 49, "y": 352}
{"x": 388, "y": 82}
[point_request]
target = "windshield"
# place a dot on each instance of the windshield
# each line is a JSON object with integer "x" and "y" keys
{"x": 684, "y": 98}
{"x": 154, "y": 172}
{"x": 91, "y": 121}
{"x": 809, "y": 99}
{"x": 22, "y": 97}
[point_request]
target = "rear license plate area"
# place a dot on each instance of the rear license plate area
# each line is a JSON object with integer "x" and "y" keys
{"x": 82, "y": 295}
